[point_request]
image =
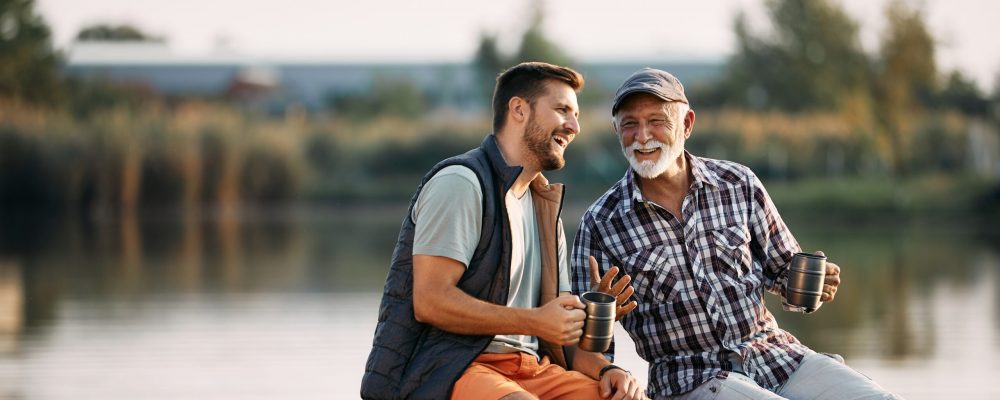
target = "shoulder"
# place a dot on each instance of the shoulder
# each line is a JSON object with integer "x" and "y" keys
{"x": 457, "y": 172}
{"x": 454, "y": 178}
{"x": 728, "y": 173}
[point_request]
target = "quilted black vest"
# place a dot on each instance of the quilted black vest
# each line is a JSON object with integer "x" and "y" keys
{"x": 413, "y": 360}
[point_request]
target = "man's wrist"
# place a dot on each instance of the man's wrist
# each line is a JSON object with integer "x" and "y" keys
{"x": 606, "y": 368}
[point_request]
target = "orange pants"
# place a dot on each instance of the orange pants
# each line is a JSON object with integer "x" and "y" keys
{"x": 492, "y": 376}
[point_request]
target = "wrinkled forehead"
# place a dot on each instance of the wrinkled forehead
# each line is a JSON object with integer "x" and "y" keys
{"x": 641, "y": 102}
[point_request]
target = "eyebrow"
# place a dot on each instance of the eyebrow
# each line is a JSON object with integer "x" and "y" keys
{"x": 561, "y": 104}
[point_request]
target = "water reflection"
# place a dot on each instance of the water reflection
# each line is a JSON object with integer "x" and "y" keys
{"x": 283, "y": 305}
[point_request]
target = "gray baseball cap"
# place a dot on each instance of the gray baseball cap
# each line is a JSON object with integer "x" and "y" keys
{"x": 653, "y": 81}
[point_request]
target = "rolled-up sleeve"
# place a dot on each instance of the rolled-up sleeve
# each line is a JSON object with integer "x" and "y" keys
{"x": 773, "y": 242}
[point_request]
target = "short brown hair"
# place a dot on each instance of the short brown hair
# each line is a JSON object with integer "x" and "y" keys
{"x": 527, "y": 80}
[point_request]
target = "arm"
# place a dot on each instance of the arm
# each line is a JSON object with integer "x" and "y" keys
{"x": 776, "y": 245}
{"x": 448, "y": 219}
{"x": 772, "y": 243}
{"x": 439, "y": 302}
{"x": 771, "y": 240}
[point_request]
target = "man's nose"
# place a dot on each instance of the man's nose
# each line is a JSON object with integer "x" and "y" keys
{"x": 572, "y": 124}
{"x": 643, "y": 134}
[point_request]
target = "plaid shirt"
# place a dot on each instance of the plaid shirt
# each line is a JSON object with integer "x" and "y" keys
{"x": 699, "y": 281}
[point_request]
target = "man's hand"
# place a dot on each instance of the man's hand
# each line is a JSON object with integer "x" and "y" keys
{"x": 621, "y": 289}
{"x": 621, "y": 384}
{"x": 560, "y": 320}
{"x": 831, "y": 281}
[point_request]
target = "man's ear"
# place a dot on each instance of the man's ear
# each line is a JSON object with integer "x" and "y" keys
{"x": 518, "y": 109}
{"x": 688, "y": 123}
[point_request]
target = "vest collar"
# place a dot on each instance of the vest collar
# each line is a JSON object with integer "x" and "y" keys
{"x": 507, "y": 174}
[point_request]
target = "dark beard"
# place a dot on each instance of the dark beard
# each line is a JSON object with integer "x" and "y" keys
{"x": 540, "y": 145}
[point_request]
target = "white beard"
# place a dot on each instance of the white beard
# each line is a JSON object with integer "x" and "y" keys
{"x": 649, "y": 169}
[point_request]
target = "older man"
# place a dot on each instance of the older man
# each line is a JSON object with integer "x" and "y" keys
{"x": 702, "y": 241}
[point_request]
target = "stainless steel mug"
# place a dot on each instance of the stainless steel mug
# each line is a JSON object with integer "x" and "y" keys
{"x": 805, "y": 280}
{"x": 598, "y": 328}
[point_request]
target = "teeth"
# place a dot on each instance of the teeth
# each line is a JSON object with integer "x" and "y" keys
{"x": 646, "y": 151}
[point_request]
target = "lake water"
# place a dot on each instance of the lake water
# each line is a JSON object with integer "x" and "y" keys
{"x": 283, "y": 305}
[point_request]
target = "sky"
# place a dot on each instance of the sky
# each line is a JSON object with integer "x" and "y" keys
{"x": 448, "y": 30}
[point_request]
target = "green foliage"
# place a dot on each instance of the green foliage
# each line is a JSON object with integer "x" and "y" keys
{"x": 28, "y": 64}
{"x": 906, "y": 56}
{"x": 535, "y": 46}
{"x": 962, "y": 94}
{"x": 865, "y": 198}
{"x": 269, "y": 176}
{"x": 87, "y": 97}
{"x": 812, "y": 60}
{"x": 387, "y": 97}
{"x": 118, "y": 33}
{"x": 907, "y": 72}
{"x": 489, "y": 63}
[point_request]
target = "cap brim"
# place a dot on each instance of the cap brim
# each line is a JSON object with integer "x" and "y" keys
{"x": 621, "y": 98}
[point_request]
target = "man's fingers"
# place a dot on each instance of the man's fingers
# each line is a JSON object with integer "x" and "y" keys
{"x": 605, "y": 387}
{"x": 819, "y": 253}
{"x": 570, "y": 301}
{"x": 829, "y": 292}
{"x": 622, "y": 391}
{"x": 832, "y": 269}
{"x": 621, "y": 311}
{"x": 624, "y": 295}
{"x": 621, "y": 284}
{"x": 609, "y": 277}
{"x": 636, "y": 392}
{"x": 595, "y": 275}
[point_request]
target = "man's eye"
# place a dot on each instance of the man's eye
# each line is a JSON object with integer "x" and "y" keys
{"x": 658, "y": 122}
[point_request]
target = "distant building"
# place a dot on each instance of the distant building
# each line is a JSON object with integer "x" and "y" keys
{"x": 313, "y": 83}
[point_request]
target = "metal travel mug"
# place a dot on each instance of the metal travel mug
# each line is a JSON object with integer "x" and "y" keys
{"x": 805, "y": 280}
{"x": 598, "y": 328}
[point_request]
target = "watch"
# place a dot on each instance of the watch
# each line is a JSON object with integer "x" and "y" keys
{"x": 609, "y": 367}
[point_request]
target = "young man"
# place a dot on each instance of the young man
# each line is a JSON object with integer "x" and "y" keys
{"x": 476, "y": 303}
{"x": 702, "y": 240}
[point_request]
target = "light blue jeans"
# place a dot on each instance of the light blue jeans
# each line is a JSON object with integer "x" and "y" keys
{"x": 820, "y": 377}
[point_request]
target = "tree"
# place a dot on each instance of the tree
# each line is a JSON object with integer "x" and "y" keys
{"x": 534, "y": 45}
{"x": 961, "y": 93}
{"x": 118, "y": 33}
{"x": 28, "y": 63}
{"x": 812, "y": 60}
{"x": 906, "y": 73}
{"x": 488, "y": 63}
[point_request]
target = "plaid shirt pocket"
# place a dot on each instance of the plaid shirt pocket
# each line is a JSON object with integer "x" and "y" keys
{"x": 653, "y": 275}
{"x": 730, "y": 254}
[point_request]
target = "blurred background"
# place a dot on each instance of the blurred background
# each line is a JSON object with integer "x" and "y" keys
{"x": 198, "y": 200}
